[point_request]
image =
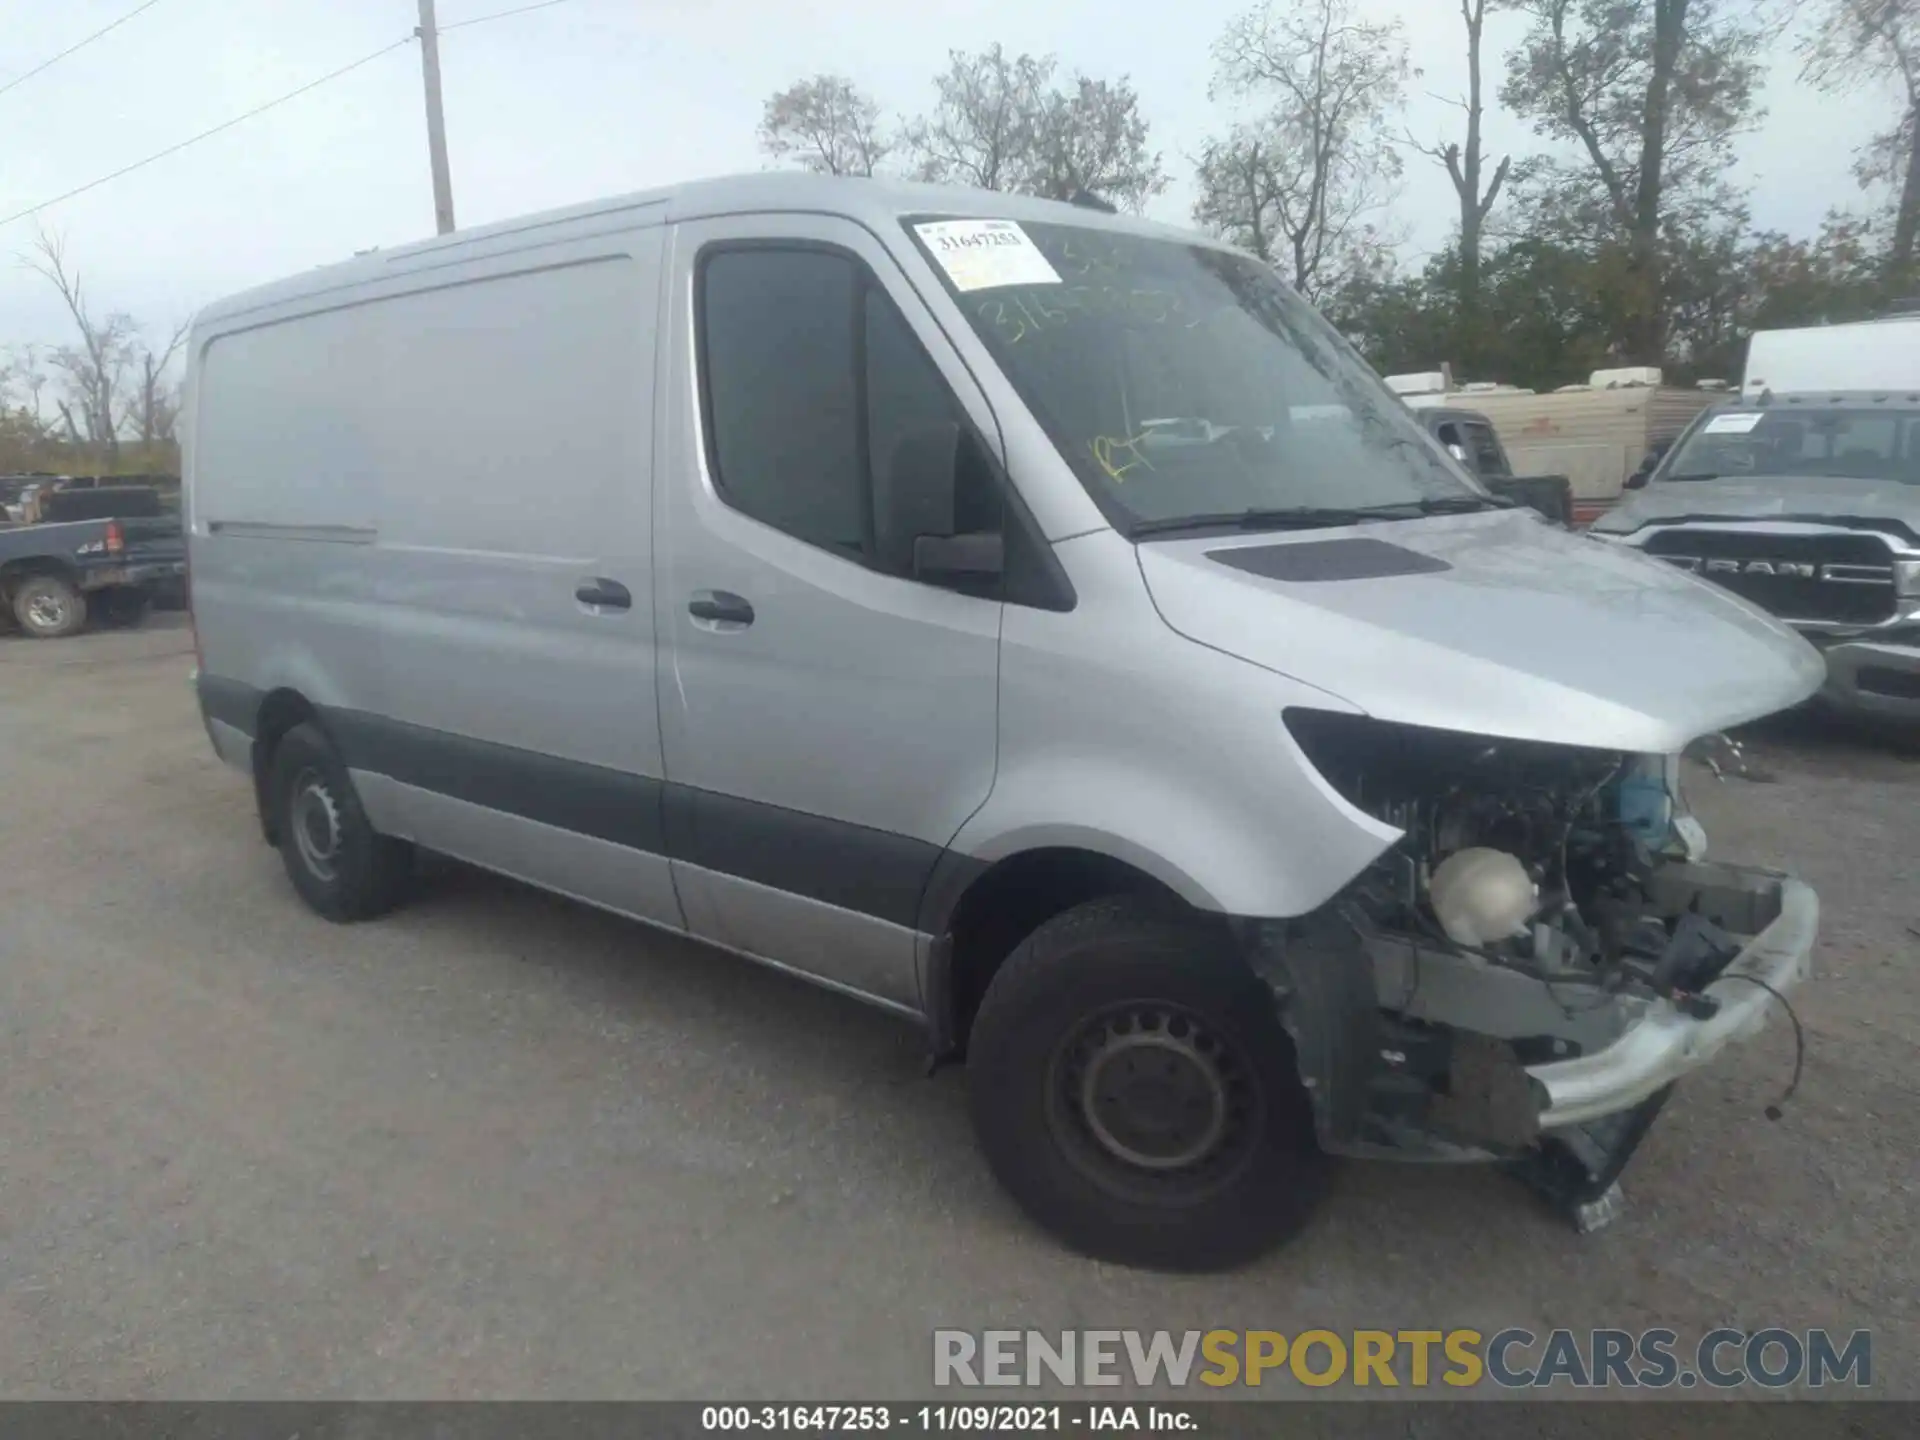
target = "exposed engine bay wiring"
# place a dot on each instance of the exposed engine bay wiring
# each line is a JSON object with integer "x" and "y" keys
{"x": 1553, "y": 846}
{"x": 1778, "y": 1108}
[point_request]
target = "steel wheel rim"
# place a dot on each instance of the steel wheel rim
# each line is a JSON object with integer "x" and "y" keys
{"x": 47, "y": 611}
{"x": 314, "y": 820}
{"x": 1153, "y": 1103}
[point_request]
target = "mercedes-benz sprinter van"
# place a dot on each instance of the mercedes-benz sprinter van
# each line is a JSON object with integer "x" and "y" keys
{"x": 1035, "y": 622}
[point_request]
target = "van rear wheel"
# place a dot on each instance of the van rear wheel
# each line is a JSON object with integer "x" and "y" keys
{"x": 1133, "y": 1089}
{"x": 343, "y": 868}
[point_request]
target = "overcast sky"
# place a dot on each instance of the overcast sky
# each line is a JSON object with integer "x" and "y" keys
{"x": 596, "y": 97}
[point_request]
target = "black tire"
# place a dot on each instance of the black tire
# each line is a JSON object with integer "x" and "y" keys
{"x": 1133, "y": 1089}
{"x": 342, "y": 867}
{"x": 121, "y": 607}
{"x": 49, "y": 607}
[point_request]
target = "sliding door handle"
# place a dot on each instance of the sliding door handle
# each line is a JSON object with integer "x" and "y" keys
{"x": 604, "y": 594}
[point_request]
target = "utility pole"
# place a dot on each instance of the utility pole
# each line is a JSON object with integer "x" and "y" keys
{"x": 429, "y": 34}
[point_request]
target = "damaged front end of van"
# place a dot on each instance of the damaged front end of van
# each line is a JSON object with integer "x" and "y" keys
{"x": 1525, "y": 975}
{"x": 1429, "y": 762}
{"x": 1541, "y": 948}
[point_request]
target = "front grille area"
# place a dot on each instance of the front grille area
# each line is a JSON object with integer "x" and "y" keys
{"x": 1841, "y": 579}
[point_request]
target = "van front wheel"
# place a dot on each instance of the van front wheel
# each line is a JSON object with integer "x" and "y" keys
{"x": 342, "y": 867}
{"x": 1133, "y": 1089}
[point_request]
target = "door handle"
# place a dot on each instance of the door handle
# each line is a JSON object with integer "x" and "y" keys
{"x": 603, "y": 593}
{"x": 721, "y": 608}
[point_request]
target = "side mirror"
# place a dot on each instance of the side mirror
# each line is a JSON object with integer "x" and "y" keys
{"x": 1648, "y": 464}
{"x": 955, "y": 557}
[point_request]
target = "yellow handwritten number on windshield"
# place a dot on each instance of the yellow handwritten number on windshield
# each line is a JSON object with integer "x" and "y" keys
{"x": 1110, "y": 451}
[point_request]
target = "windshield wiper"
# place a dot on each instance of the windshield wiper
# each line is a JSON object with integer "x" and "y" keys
{"x": 1465, "y": 504}
{"x": 1292, "y": 517}
{"x": 1691, "y": 475}
{"x": 1319, "y": 517}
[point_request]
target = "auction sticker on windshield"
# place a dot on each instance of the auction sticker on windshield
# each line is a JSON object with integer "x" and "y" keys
{"x": 986, "y": 254}
{"x": 1739, "y": 423}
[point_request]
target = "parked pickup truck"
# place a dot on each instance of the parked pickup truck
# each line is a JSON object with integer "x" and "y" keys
{"x": 1471, "y": 439}
{"x": 101, "y": 552}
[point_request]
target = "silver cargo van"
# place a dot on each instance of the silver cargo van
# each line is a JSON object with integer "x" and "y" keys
{"x": 1034, "y": 622}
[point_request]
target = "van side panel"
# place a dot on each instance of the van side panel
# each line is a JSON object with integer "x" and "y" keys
{"x": 512, "y": 420}
{"x": 419, "y": 481}
{"x": 517, "y": 469}
{"x": 282, "y": 515}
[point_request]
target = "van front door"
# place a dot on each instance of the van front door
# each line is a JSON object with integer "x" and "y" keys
{"x": 828, "y": 720}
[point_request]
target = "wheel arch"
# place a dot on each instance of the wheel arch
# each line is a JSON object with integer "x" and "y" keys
{"x": 280, "y": 710}
{"x": 13, "y": 572}
{"x": 978, "y": 911}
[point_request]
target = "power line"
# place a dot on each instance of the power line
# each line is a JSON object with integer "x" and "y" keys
{"x": 238, "y": 119}
{"x": 77, "y": 45}
{"x": 503, "y": 14}
{"x": 207, "y": 134}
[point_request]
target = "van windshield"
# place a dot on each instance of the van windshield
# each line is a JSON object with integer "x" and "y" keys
{"x": 1182, "y": 381}
{"x": 1857, "y": 443}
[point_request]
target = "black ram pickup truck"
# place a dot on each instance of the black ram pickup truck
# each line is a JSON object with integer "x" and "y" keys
{"x": 1471, "y": 439}
{"x": 103, "y": 552}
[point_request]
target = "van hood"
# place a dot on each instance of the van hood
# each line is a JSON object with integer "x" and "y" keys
{"x": 1494, "y": 624}
{"x": 1818, "y": 499}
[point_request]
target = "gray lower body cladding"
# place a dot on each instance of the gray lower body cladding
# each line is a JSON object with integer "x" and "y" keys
{"x": 852, "y": 867}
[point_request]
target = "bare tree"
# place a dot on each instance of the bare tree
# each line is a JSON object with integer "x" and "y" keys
{"x": 111, "y": 383}
{"x": 1653, "y": 92}
{"x": 983, "y": 126}
{"x": 1240, "y": 182}
{"x": 93, "y": 372}
{"x": 1093, "y": 139}
{"x": 153, "y": 411}
{"x": 826, "y": 125}
{"x": 1000, "y": 123}
{"x": 1300, "y": 185}
{"x": 25, "y": 382}
{"x": 1464, "y": 162}
{"x": 1859, "y": 39}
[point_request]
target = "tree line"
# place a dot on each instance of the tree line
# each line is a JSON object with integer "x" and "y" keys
{"x": 107, "y": 401}
{"x": 1625, "y": 239}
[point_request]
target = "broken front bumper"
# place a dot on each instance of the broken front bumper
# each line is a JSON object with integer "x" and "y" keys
{"x": 1665, "y": 1042}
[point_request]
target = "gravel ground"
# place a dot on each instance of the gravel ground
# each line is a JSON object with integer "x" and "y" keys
{"x": 501, "y": 1145}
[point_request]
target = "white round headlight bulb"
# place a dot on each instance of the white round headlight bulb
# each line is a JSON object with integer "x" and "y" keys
{"x": 1481, "y": 896}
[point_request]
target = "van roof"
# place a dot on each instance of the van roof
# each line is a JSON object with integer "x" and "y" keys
{"x": 877, "y": 202}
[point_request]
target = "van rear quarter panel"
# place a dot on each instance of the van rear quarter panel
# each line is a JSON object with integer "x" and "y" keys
{"x": 398, "y": 486}
{"x": 282, "y": 513}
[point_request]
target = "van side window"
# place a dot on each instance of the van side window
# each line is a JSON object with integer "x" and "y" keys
{"x": 929, "y": 475}
{"x": 783, "y": 399}
{"x": 827, "y": 419}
